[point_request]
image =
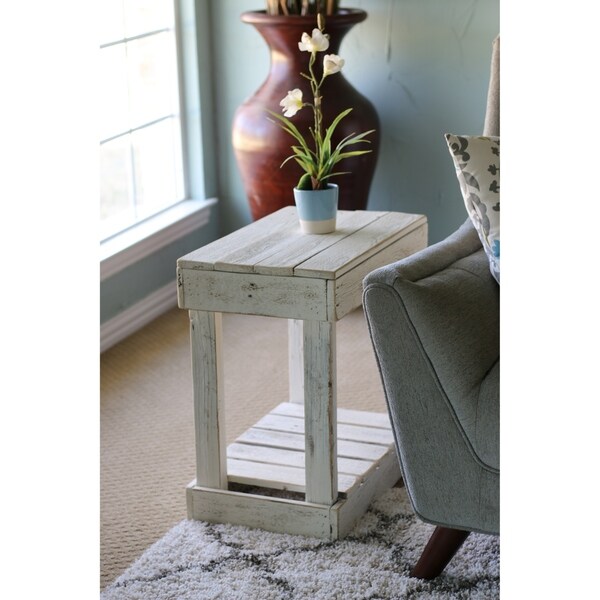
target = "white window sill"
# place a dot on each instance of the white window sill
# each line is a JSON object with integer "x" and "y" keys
{"x": 140, "y": 241}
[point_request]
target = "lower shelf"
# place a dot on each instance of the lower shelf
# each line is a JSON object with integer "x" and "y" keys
{"x": 271, "y": 453}
{"x": 269, "y": 459}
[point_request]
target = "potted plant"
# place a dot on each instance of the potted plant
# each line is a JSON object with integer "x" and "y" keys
{"x": 261, "y": 145}
{"x": 315, "y": 196}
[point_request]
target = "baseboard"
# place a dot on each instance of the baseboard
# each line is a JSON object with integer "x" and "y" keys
{"x": 137, "y": 316}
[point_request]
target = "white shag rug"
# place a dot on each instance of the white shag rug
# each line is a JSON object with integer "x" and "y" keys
{"x": 200, "y": 561}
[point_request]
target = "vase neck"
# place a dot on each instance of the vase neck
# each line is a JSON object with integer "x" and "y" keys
{"x": 282, "y": 34}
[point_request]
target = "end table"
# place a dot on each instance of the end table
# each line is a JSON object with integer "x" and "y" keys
{"x": 338, "y": 459}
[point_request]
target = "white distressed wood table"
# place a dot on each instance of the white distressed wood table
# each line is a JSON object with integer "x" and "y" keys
{"x": 338, "y": 459}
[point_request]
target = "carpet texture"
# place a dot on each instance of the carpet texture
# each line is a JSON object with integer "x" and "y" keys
{"x": 196, "y": 560}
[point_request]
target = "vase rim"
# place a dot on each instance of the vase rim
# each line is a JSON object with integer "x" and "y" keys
{"x": 344, "y": 15}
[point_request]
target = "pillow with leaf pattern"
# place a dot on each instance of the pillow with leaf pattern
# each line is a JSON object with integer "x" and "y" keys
{"x": 477, "y": 163}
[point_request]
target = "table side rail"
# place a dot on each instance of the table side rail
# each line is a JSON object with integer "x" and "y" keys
{"x": 347, "y": 289}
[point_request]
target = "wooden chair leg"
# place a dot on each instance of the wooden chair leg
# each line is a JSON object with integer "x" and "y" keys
{"x": 441, "y": 547}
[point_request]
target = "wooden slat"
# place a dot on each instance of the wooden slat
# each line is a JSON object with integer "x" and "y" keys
{"x": 364, "y": 243}
{"x": 295, "y": 441}
{"x": 291, "y": 458}
{"x": 364, "y": 418}
{"x": 266, "y": 454}
{"x": 344, "y": 432}
{"x": 245, "y": 258}
{"x": 270, "y": 476}
{"x": 344, "y": 415}
{"x": 272, "y": 514}
{"x": 277, "y": 477}
{"x": 206, "y": 256}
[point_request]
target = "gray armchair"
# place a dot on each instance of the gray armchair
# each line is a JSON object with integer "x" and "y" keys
{"x": 434, "y": 323}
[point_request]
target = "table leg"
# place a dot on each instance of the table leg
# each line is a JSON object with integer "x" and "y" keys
{"x": 296, "y": 360}
{"x": 209, "y": 409}
{"x": 320, "y": 412}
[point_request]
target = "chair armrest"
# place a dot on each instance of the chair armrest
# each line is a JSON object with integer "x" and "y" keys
{"x": 432, "y": 259}
{"x": 434, "y": 318}
{"x": 450, "y": 303}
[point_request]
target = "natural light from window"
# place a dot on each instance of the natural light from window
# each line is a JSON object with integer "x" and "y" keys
{"x": 141, "y": 164}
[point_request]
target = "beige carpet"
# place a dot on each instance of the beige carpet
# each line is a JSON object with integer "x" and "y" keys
{"x": 147, "y": 438}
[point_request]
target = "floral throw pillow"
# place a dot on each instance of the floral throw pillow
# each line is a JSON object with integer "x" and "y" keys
{"x": 477, "y": 163}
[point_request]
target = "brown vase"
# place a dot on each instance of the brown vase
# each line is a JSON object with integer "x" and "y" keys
{"x": 261, "y": 146}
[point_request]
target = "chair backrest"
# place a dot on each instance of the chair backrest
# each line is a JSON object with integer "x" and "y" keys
{"x": 492, "y": 113}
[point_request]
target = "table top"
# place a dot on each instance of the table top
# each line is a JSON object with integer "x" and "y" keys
{"x": 274, "y": 245}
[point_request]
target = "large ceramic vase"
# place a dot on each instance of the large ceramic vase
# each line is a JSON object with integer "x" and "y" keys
{"x": 261, "y": 146}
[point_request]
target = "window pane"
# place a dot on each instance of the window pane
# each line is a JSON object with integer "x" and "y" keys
{"x": 116, "y": 193}
{"x": 158, "y": 179}
{"x": 147, "y": 15}
{"x": 114, "y": 97}
{"x": 152, "y": 78}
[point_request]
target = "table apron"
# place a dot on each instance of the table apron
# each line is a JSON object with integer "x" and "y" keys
{"x": 251, "y": 294}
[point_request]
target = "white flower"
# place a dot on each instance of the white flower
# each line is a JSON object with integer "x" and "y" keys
{"x": 332, "y": 63}
{"x": 292, "y": 103}
{"x": 317, "y": 43}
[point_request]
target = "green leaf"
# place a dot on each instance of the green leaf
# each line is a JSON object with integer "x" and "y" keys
{"x": 354, "y": 139}
{"x": 306, "y": 166}
{"x": 334, "y": 174}
{"x": 305, "y": 182}
{"x": 291, "y": 129}
{"x": 286, "y": 160}
{"x": 334, "y": 124}
{"x": 344, "y": 155}
{"x": 347, "y": 141}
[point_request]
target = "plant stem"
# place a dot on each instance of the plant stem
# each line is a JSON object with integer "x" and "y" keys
{"x": 318, "y": 115}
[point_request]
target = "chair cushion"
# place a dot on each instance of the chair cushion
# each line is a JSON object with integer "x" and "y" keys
{"x": 477, "y": 163}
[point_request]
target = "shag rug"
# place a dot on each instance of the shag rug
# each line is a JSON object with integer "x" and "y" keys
{"x": 201, "y": 561}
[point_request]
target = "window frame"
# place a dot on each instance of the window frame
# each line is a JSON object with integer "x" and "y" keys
{"x": 195, "y": 103}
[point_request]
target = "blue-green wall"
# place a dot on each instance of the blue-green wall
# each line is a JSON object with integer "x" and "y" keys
{"x": 425, "y": 66}
{"x": 136, "y": 282}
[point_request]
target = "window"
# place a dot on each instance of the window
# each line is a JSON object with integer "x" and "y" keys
{"x": 141, "y": 157}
